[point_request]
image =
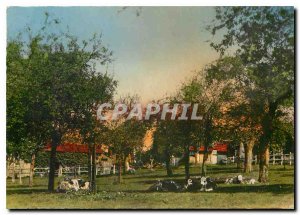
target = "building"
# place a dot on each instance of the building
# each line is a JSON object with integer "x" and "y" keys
{"x": 216, "y": 153}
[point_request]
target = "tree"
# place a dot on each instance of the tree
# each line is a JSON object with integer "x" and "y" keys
{"x": 168, "y": 140}
{"x": 100, "y": 89}
{"x": 125, "y": 135}
{"x": 25, "y": 133}
{"x": 240, "y": 119}
{"x": 263, "y": 39}
{"x": 58, "y": 74}
{"x": 209, "y": 97}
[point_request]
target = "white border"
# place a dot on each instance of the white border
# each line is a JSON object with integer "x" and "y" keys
{"x": 6, "y": 3}
{"x": 148, "y": 3}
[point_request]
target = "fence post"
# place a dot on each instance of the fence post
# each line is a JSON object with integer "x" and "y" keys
{"x": 20, "y": 174}
{"x": 274, "y": 158}
{"x": 290, "y": 158}
{"x": 79, "y": 171}
{"x": 114, "y": 169}
{"x": 281, "y": 158}
{"x": 13, "y": 173}
{"x": 59, "y": 170}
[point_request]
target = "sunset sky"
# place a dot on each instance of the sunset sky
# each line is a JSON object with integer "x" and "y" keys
{"x": 153, "y": 52}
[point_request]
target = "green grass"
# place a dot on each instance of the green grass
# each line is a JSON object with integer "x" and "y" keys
{"x": 132, "y": 193}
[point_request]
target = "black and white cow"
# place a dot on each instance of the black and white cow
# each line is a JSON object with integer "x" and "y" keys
{"x": 166, "y": 185}
{"x": 208, "y": 184}
{"x": 193, "y": 185}
{"x": 72, "y": 184}
{"x": 240, "y": 180}
{"x": 200, "y": 184}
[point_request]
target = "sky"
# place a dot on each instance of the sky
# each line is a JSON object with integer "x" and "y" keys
{"x": 154, "y": 53}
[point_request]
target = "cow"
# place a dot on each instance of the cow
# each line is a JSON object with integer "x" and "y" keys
{"x": 72, "y": 184}
{"x": 208, "y": 184}
{"x": 200, "y": 184}
{"x": 166, "y": 185}
{"x": 250, "y": 181}
{"x": 235, "y": 180}
{"x": 240, "y": 180}
{"x": 192, "y": 185}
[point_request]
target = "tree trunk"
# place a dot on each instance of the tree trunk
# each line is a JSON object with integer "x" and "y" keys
{"x": 168, "y": 165}
{"x": 31, "y": 174}
{"x": 264, "y": 165}
{"x": 93, "y": 181}
{"x": 55, "y": 141}
{"x": 120, "y": 171}
{"x": 126, "y": 164}
{"x": 197, "y": 155}
{"x": 90, "y": 164}
{"x": 248, "y": 156}
{"x": 13, "y": 178}
{"x": 20, "y": 172}
{"x": 187, "y": 162}
{"x": 264, "y": 142}
{"x": 205, "y": 157}
{"x": 239, "y": 156}
{"x": 208, "y": 140}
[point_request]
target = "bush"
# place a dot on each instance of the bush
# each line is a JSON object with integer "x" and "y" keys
{"x": 67, "y": 159}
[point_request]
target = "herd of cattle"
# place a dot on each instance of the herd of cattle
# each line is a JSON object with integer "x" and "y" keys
{"x": 199, "y": 184}
{"x": 193, "y": 184}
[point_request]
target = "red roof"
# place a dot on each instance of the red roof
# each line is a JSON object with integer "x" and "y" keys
{"x": 220, "y": 147}
{"x": 74, "y": 148}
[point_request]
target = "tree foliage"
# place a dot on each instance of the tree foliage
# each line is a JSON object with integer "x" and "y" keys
{"x": 53, "y": 82}
{"x": 261, "y": 40}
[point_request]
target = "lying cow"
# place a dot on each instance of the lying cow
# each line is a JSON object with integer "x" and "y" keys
{"x": 240, "y": 180}
{"x": 208, "y": 184}
{"x": 167, "y": 185}
{"x": 200, "y": 184}
{"x": 72, "y": 184}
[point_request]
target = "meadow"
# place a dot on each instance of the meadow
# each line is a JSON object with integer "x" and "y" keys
{"x": 133, "y": 192}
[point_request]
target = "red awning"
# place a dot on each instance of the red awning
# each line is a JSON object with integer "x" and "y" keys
{"x": 220, "y": 147}
{"x": 74, "y": 148}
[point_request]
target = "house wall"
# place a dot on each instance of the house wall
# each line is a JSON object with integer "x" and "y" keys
{"x": 198, "y": 158}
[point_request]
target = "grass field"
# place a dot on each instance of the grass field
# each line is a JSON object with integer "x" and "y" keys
{"x": 132, "y": 193}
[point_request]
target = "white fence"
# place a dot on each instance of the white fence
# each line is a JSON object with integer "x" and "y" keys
{"x": 74, "y": 171}
{"x": 275, "y": 158}
{"x": 280, "y": 158}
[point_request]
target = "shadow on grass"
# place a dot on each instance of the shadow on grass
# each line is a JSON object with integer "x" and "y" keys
{"x": 175, "y": 175}
{"x": 287, "y": 175}
{"x": 273, "y": 188}
{"x": 25, "y": 191}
